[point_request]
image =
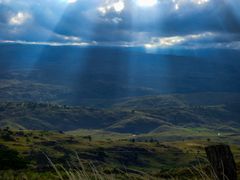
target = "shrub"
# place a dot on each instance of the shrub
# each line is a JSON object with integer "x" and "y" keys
{"x": 10, "y": 159}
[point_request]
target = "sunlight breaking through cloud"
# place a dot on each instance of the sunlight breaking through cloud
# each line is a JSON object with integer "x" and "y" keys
{"x": 163, "y": 42}
{"x": 127, "y": 23}
{"x": 179, "y": 3}
{"x": 19, "y": 18}
{"x": 146, "y": 3}
{"x": 72, "y": 1}
{"x": 109, "y": 5}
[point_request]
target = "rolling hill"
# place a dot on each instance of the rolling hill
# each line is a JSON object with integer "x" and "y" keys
{"x": 134, "y": 115}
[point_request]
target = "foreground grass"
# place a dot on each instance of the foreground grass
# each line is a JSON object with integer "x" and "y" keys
{"x": 91, "y": 172}
{"x": 52, "y": 155}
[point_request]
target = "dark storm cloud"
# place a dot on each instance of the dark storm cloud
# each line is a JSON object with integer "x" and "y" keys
{"x": 121, "y": 22}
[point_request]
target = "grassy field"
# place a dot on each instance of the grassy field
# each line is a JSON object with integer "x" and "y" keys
{"x": 154, "y": 137}
{"x": 107, "y": 155}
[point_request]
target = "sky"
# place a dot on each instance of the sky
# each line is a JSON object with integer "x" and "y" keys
{"x": 151, "y": 24}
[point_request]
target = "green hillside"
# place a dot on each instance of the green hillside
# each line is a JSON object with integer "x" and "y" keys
{"x": 134, "y": 115}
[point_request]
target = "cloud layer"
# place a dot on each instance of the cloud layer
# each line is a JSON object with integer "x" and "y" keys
{"x": 129, "y": 23}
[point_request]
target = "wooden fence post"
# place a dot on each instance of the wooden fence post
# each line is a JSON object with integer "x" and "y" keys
{"x": 222, "y": 161}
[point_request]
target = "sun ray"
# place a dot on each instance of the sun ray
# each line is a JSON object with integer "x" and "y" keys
{"x": 146, "y": 3}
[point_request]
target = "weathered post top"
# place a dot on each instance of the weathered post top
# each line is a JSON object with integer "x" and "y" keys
{"x": 222, "y": 161}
